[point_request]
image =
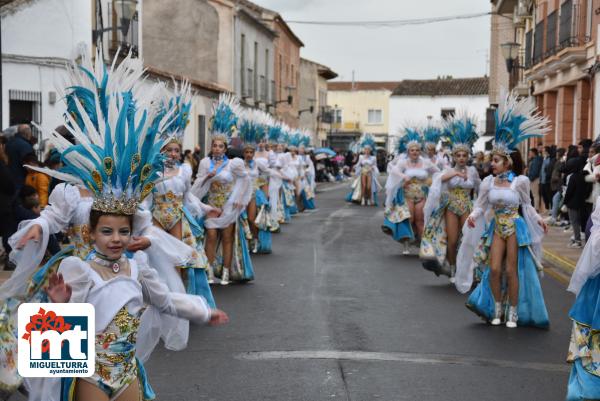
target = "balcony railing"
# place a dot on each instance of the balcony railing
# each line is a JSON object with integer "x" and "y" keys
{"x": 569, "y": 34}
{"x": 528, "y": 49}
{"x": 538, "y": 42}
{"x": 551, "y": 22}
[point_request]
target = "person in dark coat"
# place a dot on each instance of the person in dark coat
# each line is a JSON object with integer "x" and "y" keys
{"x": 575, "y": 197}
{"x": 7, "y": 193}
{"x": 17, "y": 148}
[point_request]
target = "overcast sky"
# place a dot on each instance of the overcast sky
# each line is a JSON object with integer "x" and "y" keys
{"x": 458, "y": 48}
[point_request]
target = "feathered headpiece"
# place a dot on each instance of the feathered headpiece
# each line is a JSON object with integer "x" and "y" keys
{"x": 411, "y": 138}
{"x": 517, "y": 121}
{"x": 225, "y": 117}
{"x": 367, "y": 140}
{"x": 181, "y": 104}
{"x": 117, "y": 156}
{"x": 252, "y": 126}
{"x": 305, "y": 140}
{"x": 295, "y": 139}
{"x": 461, "y": 132}
{"x": 431, "y": 134}
{"x": 91, "y": 83}
{"x": 275, "y": 132}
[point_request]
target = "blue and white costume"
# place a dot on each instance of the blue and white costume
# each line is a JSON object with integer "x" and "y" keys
{"x": 502, "y": 211}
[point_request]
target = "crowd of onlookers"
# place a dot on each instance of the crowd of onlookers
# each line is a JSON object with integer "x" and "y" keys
{"x": 565, "y": 183}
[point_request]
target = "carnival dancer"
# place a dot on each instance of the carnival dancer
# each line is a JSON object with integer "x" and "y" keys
{"x": 224, "y": 184}
{"x": 69, "y": 205}
{"x": 174, "y": 208}
{"x": 118, "y": 164}
{"x": 307, "y": 179}
{"x": 289, "y": 172}
{"x": 365, "y": 186}
{"x": 504, "y": 227}
{"x": 449, "y": 201}
{"x": 294, "y": 141}
{"x": 432, "y": 134}
{"x": 413, "y": 174}
{"x": 275, "y": 133}
{"x": 252, "y": 131}
{"x": 584, "y": 347}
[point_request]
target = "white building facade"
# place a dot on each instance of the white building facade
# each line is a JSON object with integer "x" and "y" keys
{"x": 415, "y": 102}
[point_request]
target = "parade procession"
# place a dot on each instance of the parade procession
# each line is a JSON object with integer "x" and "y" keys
{"x": 420, "y": 239}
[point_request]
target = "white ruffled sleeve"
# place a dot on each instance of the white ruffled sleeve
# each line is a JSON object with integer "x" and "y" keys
{"x": 191, "y": 307}
{"x": 465, "y": 263}
{"x": 435, "y": 194}
{"x": 76, "y": 273}
{"x": 588, "y": 264}
{"x": 394, "y": 181}
{"x": 202, "y": 184}
{"x": 431, "y": 167}
{"x": 531, "y": 217}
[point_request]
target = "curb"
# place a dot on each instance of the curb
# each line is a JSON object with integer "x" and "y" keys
{"x": 559, "y": 268}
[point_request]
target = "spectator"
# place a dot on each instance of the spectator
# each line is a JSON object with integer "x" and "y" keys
{"x": 575, "y": 197}
{"x": 546, "y": 175}
{"x": 37, "y": 180}
{"x": 534, "y": 168}
{"x": 583, "y": 147}
{"x": 28, "y": 208}
{"x": 478, "y": 163}
{"x": 53, "y": 162}
{"x": 592, "y": 177}
{"x": 7, "y": 191}
{"x": 197, "y": 155}
{"x": 17, "y": 148}
{"x": 556, "y": 184}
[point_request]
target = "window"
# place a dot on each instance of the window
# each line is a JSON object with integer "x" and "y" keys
{"x": 292, "y": 80}
{"x": 375, "y": 116}
{"x": 337, "y": 116}
{"x": 243, "y": 65}
{"x": 280, "y": 77}
{"x": 447, "y": 113}
{"x": 256, "y": 87}
{"x": 267, "y": 100}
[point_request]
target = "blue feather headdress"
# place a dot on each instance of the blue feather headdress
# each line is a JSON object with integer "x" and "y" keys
{"x": 223, "y": 123}
{"x": 431, "y": 135}
{"x": 252, "y": 127}
{"x": 117, "y": 156}
{"x": 91, "y": 83}
{"x": 275, "y": 132}
{"x": 305, "y": 139}
{"x": 295, "y": 139}
{"x": 461, "y": 132}
{"x": 181, "y": 104}
{"x": 411, "y": 138}
{"x": 517, "y": 121}
{"x": 367, "y": 140}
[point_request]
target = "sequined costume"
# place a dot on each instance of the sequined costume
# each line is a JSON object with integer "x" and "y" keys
{"x": 454, "y": 195}
{"x": 119, "y": 300}
{"x": 406, "y": 181}
{"x": 584, "y": 346}
{"x": 230, "y": 190}
{"x": 171, "y": 203}
{"x": 503, "y": 211}
{"x": 260, "y": 174}
{"x": 366, "y": 165}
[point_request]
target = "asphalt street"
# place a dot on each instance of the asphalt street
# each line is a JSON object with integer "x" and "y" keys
{"x": 336, "y": 312}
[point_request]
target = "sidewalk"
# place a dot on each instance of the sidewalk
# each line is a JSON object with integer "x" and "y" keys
{"x": 560, "y": 259}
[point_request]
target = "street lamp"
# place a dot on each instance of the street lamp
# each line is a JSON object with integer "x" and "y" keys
{"x": 510, "y": 52}
{"x": 125, "y": 11}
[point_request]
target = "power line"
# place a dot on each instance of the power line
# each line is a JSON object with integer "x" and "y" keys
{"x": 392, "y": 23}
